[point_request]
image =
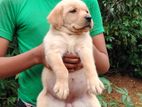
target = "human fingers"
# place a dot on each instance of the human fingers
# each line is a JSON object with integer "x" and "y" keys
{"x": 70, "y": 58}
{"x": 78, "y": 67}
{"x": 74, "y": 67}
{"x": 70, "y": 55}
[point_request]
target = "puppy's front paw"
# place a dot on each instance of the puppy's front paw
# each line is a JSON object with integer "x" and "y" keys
{"x": 61, "y": 90}
{"x": 95, "y": 86}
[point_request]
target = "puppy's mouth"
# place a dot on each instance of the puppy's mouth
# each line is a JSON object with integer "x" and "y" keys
{"x": 83, "y": 28}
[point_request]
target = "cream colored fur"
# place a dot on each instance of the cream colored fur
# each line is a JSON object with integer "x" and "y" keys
{"x": 69, "y": 32}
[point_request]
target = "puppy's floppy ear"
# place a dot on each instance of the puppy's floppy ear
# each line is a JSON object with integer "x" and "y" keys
{"x": 55, "y": 18}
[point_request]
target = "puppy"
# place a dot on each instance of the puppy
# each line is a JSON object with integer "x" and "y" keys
{"x": 70, "y": 24}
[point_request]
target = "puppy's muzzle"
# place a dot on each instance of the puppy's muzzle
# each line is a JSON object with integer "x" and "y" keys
{"x": 88, "y": 18}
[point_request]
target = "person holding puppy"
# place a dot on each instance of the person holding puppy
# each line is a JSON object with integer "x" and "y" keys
{"x": 27, "y": 21}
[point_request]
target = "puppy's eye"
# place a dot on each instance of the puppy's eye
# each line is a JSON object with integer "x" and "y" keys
{"x": 87, "y": 11}
{"x": 73, "y": 11}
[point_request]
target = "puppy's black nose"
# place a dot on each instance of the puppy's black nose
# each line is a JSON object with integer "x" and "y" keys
{"x": 88, "y": 18}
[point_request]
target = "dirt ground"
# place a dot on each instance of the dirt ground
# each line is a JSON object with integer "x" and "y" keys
{"x": 133, "y": 85}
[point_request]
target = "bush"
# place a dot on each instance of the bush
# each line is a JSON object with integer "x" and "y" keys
{"x": 123, "y": 30}
{"x": 8, "y": 92}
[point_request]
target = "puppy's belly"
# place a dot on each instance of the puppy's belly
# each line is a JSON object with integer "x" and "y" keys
{"x": 77, "y": 83}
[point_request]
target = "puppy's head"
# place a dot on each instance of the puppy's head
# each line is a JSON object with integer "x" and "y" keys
{"x": 71, "y": 14}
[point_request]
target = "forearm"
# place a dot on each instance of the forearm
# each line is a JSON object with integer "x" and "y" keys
{"x": 101, "y": 61}
{"x": 10, "y": 66}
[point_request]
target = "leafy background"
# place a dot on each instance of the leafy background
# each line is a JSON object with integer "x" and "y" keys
{"x": 123, "y": 25}
{"x": 123, "y": 30}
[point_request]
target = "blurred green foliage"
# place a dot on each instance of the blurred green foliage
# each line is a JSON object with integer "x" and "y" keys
{"x": 123, "y": 30}
{"x": 125, "y": 100}
{"x": 8, "y": 92}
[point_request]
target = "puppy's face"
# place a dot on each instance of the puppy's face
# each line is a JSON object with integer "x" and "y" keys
{"x": 71, "y": 14}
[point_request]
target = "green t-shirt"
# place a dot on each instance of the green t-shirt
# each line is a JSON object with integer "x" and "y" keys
{"x": 26, "y": 19}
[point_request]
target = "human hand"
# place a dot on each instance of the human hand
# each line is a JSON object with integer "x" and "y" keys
{"x": 72, "y": 62}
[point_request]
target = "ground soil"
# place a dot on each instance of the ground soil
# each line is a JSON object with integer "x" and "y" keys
{"x": 133, "y": 85}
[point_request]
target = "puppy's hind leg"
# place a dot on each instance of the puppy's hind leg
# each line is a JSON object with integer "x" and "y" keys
{"x": 93, "y": 101}
{"x": 46, "y": 100}
{"x": 42, "y": 100}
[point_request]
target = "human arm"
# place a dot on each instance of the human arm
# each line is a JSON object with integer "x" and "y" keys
{"x": 10, "y": 66}
{"x": 100, "y": 51}
{"x": 101, "y": 54}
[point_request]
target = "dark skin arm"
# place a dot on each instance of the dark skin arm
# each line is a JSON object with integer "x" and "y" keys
{"x": 10, "y": 66}
{"x": 101, "y": 54}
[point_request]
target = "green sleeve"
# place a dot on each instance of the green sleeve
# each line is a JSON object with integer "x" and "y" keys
{"x": 97, "y": 18}
{"x": 7, "y": 19}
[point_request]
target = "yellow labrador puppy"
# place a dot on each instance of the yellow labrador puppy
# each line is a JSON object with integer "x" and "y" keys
{"x": 70, "y": 24}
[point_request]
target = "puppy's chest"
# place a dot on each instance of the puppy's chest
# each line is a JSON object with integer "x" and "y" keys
{"x": 71, "y": 45}
{"x": 75, "y": 44}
